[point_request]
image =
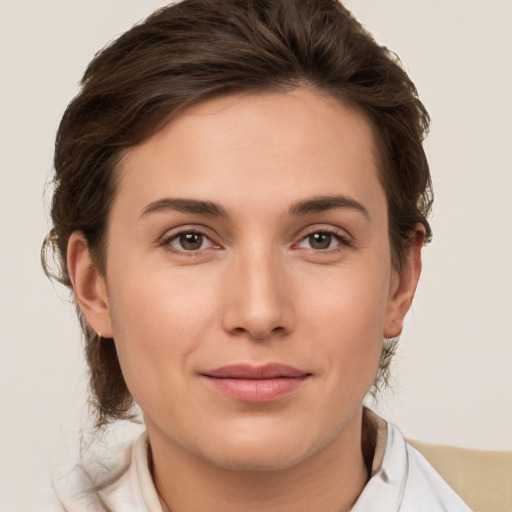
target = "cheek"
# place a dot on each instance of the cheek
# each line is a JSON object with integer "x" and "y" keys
{"x": 352, "y": 299}
{"x": 158, "y": 321}
{"x": 347, "y": 320}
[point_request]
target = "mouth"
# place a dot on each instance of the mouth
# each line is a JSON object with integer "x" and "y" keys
{"x": 250, "y": 383}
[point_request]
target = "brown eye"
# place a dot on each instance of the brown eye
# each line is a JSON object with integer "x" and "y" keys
{"x": 190, "y": 241}
{"x": 320, "y": 241}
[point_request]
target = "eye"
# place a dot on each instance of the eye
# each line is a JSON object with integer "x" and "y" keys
{"x": 321, "y": 241}
{"x": 188, "y": 241}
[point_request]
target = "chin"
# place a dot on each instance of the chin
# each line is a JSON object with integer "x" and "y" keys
{"x": 261, "y": 460}
{"x": 259, "y": 452}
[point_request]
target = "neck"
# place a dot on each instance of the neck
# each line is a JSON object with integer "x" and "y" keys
{"x": 330, "y": 480}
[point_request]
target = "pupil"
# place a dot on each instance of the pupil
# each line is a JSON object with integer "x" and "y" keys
{"x": 191, "y": 241}
{"x": 320, "y": 240}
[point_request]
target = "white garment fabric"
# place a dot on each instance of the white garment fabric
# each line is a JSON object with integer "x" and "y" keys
{"x": 401, "y": 481}
{"x": 406, "y": 482}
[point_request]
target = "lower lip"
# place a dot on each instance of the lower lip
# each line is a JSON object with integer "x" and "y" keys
{"x": 256, "y": 390}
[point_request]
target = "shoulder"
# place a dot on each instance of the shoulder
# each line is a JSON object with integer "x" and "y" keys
{"x": 107, "y": 480}
{"x": 402, "y": 479}
{"x": 481, "y": 477}
{"x": 423, "y": 488}
{"x": 426, "y": 489}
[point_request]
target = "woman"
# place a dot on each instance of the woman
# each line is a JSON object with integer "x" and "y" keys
{"x": 241, "y": 201}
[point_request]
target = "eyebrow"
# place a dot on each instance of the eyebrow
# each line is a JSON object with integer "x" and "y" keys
{"x": 185, "y": 206}
{"x": 316, "y": 204}
{"x": 324, "y": 203}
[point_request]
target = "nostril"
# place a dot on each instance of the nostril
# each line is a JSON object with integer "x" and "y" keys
{"x": 259, "y": 334}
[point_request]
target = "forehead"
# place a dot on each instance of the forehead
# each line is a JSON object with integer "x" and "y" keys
{"x": 278, "y": 146}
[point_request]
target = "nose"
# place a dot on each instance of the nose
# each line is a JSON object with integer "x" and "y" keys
{"x": 257, "y": 295}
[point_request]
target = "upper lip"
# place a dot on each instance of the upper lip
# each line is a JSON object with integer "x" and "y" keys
{"x": 247, "y": 371}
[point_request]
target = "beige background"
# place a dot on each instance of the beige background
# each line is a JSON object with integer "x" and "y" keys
{"x": 453, "y": 374}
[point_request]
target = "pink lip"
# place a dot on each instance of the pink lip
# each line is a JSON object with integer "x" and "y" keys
{"x": 256, "y": 383}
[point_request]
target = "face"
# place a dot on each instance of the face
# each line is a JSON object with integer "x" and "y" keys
{"x": 248, "y": 281}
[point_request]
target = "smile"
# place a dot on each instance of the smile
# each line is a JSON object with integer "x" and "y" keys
{"x": 256, "y": 383}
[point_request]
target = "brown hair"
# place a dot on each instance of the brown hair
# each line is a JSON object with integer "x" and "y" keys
{"x": 192, "y": 50}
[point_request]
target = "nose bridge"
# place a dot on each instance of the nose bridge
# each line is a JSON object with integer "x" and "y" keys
{"x": 256, "y": 291}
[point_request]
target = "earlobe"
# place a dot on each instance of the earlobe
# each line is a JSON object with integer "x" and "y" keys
{"x": 403, "y": 286}
{"x": 89, "y": 285}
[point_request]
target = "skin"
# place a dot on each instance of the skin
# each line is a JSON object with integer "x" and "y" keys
{"x": 259, "y": 288}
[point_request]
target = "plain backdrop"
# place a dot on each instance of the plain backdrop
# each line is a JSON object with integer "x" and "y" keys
{"x": 452, "y": 377}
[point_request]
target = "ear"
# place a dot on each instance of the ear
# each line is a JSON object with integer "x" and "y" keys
{"x": 89, "y": 286}
{"x": 403, "y": 286}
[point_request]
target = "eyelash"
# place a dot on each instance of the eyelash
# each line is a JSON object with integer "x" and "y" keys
{"x": 342, "y": 239}
{"x": 166, "y": 242}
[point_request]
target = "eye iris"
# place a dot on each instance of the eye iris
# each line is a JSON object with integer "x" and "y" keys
{"x": 320, "y": 240}
{"x": 191, "y": 241}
